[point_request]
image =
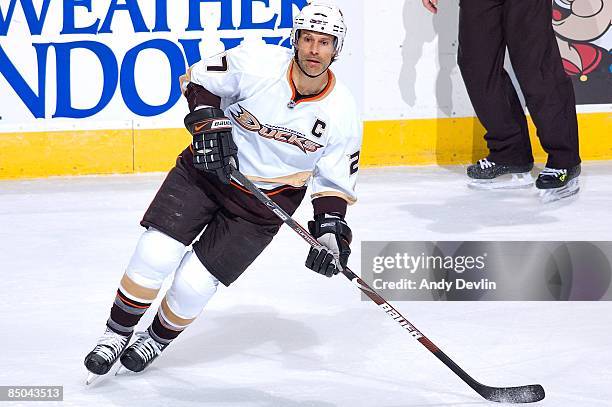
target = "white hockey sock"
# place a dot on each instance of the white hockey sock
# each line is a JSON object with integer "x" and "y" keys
{"x": 192, "y": 288}
{"x": 156, "y": 256}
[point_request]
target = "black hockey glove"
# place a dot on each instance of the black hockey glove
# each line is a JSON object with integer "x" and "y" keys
{"x": 331, "y": 231}
{"x": 214, "y": 149}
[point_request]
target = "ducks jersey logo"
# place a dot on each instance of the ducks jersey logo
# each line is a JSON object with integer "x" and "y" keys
{"x": 249, "y": 122}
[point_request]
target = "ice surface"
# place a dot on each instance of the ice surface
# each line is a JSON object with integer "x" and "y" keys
{"x": 283, "y": 336}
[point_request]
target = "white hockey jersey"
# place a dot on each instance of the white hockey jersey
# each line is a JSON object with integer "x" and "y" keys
{"x": 280, "y": 141}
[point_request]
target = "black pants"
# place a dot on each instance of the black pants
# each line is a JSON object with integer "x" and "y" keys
{"x": 486, "y": 28}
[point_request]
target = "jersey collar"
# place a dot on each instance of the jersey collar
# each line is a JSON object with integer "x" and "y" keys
{"x": 331, "y": 82}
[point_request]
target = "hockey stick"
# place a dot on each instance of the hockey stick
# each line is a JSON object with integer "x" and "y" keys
{"x": 520, "y": 394}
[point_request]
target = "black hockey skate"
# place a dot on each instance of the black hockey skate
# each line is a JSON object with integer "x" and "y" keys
{"x": 555, "y": 184}
{"x": 141, "y": 353}
{"x": 101, "y": 359}
{"x": 487, "y": 174}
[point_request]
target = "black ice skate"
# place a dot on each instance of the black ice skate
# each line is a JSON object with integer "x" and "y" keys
{"x": 109, "y": 348}
{"x": 487, "y": 174}
{"x": 141, "y": 353}
{"x": 555, "y": 184}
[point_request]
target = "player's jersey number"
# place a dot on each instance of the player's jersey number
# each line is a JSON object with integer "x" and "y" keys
{"x": 221, "y": 67}
{"x": 354, "y": 162}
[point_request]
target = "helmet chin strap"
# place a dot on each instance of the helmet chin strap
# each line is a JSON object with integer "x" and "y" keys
{"x": 297, "y": 61}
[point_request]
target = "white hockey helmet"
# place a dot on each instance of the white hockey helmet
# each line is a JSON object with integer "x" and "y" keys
{"x": 322, "y": 18}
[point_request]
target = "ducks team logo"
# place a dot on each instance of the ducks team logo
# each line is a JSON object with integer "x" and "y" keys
{"x": 247, "y": 121}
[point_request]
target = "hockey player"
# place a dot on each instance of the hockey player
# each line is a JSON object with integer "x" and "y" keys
{"x": 486, "y": 28}
{"x": 282, "y": 118}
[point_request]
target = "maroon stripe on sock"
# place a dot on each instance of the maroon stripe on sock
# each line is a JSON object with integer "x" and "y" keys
{"x": 160, "y": 330}
{"x": 122, "y": 315}
{"x": 130, "y": 302}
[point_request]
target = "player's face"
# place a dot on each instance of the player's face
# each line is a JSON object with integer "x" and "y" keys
{"x": 315, "y": 52}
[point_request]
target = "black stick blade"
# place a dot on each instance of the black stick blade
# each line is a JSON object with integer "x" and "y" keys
{"x": 520, "y": 394}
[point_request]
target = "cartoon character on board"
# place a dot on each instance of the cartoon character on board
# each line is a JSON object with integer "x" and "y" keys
{"x": 584, "y": 36}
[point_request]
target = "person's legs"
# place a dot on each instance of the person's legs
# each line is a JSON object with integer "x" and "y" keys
{"x": 193, "y": 286}
{"x": 177, "y": 214}
{"x": 228, "y": 245}
{"x": 156, "y": 256}
{"x": 548, "y": 91}
{"x": 482, "y": 47}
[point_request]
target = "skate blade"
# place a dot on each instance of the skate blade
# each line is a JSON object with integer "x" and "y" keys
{"x": 91, "y": 377}
{"x": 122, "y": 371}
{"x": 556, "y": 194}
{"x": 507, "y": 181}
